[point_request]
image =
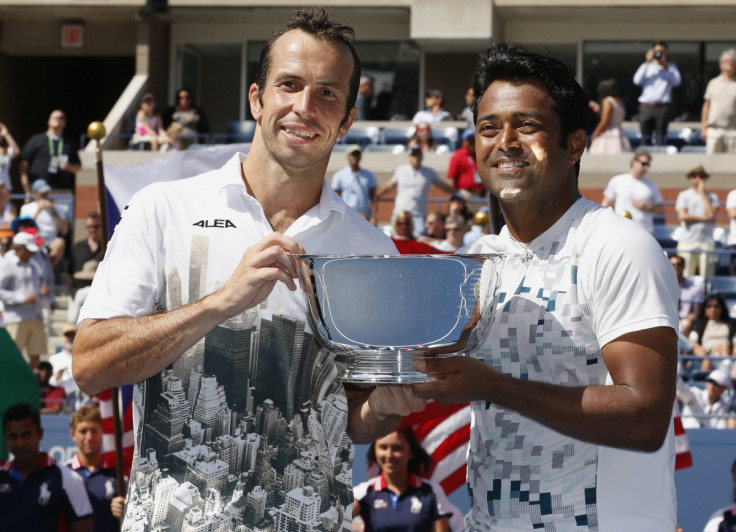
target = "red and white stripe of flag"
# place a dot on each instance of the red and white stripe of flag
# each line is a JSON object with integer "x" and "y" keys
{"x": 108, "y": 429}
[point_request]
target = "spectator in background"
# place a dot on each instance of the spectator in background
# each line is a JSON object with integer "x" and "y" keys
{"x": 706, "y": 408}
{"x": 356, "y": 185}
{"x": 8, "y": 212}
{"x": 192, "y": 118}
{"x": 423, "y": 138}
{"x": 365, "y": 98}
{"x": 53, "y": 398}
{"x": 433, "y": 112}
{"x": 38, "y": 494}
{"x": 20, "y": 292}
{"x": 690, "y": 305}
{"x": 8, "y": 151}
{"x": 696, "y": 209}
{"x": 463, "y": 168}
{"x": 149, "y": 130}
{"x": 657, "y": 78}
{"x": 608, "y": 136}
{"x": 413, "y": 182}
{"x": 83, "y": 259}
{"x": 51, "y": 156}
{"x": 399, "y": 499}
{"x": 718, "y": 116}
{"x": 457, "y": 205}
{"x": 731, "y": 211}
{"x": 6, "y": 243}
{"x": 455, "y": 229}
{"x": 714, "y": 333}
{"x": 635, "y": 193}
{"x": 61, "y": 362}
{"x": 403, "y": 236}
{"x": 100, "y": 479}
{"x": 724, "y": 519}
{"x": 52, "y": 219}
{"x": 434, "y": 228}
{"x": 467, "y": 112}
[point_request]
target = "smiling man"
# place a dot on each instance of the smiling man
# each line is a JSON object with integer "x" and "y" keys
{"x": 207, "y": 316}
{"x": 572, "y": 391}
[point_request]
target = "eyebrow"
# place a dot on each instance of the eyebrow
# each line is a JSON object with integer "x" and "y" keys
{"x": 287, "y": 74}
{"x": 517, "y": 114}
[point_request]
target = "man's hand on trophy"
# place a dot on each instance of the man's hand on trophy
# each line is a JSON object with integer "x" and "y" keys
{"x": 459, "y": 379}
{"x": 262, "y": 266}
{"x": 388, "y": 400}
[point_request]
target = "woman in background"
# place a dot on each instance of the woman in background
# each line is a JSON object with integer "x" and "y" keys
{"x": 398, "y": 499}
{"x": 609, "y": 136}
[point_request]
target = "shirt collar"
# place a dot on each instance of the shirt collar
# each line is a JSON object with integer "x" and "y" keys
{"x": 10, "y": 464}
{"x": 232, "y": 176}
{"x": 107, "y": 463}
{"x": 381, "y": 484}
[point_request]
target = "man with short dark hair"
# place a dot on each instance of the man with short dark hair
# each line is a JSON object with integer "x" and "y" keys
{"x": 656, "y": 77}
{"x": 99, "y": 474}
{"x": 36, "y": 493}
{"x": 196, "y": 301}
{"x": 572, "y": 390}
{"x": 434, "y": 99}
{"x": 51, "y": 156}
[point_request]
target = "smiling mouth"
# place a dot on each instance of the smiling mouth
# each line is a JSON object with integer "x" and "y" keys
{"x": 510, "y": 164}
{"x": 299, "y": 133}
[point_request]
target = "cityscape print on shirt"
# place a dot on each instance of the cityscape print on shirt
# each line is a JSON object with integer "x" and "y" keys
{"x": 245, "y": 432}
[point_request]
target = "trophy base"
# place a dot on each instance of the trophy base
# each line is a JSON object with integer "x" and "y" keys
{"x": 383, "y": 366}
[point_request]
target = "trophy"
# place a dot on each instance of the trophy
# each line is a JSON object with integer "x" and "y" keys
{"x": 379, "y": 312}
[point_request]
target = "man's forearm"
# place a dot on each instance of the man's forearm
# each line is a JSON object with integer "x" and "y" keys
{"x": 126, "y": 350}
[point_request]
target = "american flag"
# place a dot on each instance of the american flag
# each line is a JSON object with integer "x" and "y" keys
{"x": 108, "y": 426}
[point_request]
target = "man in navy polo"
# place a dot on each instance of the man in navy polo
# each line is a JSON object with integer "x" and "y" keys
{"x": 35, "y": 493}
{"x": 99, "y": 476}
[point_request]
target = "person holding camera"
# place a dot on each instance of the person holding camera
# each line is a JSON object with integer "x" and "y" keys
{"x": 657, "y": 78}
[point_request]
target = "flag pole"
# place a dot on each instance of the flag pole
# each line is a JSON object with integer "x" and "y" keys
{"x": 96, "y": 131}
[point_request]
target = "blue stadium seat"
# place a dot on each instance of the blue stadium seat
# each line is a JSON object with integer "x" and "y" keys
{"x": 447, "y": 136}
{"x": 692, "y": 148}
{"x": 240, "y": 131}
{"x": 397, "y": 135}
{"x": 362, "y": 136}
{"x": 385, "y": 148}
{"x": 722, "y": 284}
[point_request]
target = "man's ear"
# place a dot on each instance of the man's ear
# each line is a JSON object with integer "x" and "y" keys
{"x": 254, "y": 98}
{"x": 576, "y": 143}
{"x": 348, "y": 122}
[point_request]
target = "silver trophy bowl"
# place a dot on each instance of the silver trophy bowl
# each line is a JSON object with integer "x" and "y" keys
{"x": 381, "y": 312}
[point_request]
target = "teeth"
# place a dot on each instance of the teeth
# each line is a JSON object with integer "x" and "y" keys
{"x": 511, "y": 164}
{"x": 298, "y": 133}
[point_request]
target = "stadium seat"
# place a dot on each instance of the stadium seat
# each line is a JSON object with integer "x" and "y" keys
{"x": 692, "y": 148}
{"x": 385, "y": 148}
{"x": 445, "y": 136}
{"x": 397, "y": 135}
{"x": 240, "y": 131}
{"x": 362, "y": 136}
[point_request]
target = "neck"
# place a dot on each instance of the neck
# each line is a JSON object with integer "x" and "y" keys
{"x": 55, "y": 131}
{"x": 26, "y": 467}
{"x": 285, "y": 193}
{"x": 397, "y": 482}
{"x": 526, "y": 222}
{"x": 91, "y": 461}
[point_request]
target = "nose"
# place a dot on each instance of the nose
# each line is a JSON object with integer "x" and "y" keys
{"x": 304, "y": 102}
{"x": 508, "y": 139}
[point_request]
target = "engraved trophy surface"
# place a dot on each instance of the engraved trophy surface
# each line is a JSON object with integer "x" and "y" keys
{"x": 381, "y": 312}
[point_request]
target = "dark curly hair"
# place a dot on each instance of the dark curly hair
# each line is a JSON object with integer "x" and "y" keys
{"x": 318, "y": 23}
{"x": 502, "y": 62}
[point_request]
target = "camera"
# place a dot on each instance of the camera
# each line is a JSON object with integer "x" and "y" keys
{"x": 658, "y": 54}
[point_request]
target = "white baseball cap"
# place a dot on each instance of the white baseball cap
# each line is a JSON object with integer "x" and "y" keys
{"x": 26, "y": 240}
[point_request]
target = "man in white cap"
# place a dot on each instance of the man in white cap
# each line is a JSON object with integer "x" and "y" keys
{"x": 52, "y": 219}
{"x": 356, "y": 185}
{"x": 706, "y": 408}
{"x": 21, "y": 289}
